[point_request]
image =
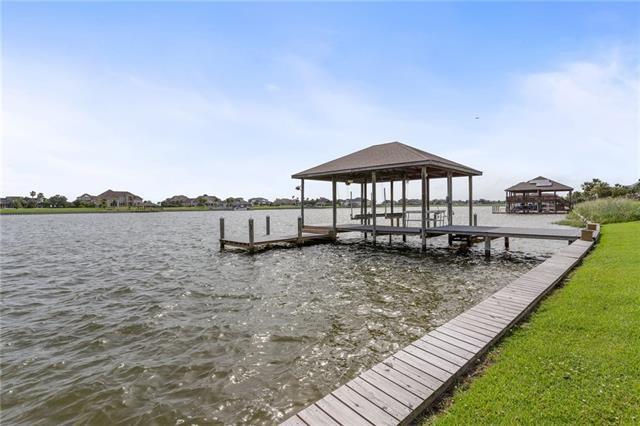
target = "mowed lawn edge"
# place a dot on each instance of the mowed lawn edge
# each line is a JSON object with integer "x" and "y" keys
{"x": 577, "y": 358}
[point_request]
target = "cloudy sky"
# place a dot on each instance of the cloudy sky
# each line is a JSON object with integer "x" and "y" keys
{"x": 231, "y": 99}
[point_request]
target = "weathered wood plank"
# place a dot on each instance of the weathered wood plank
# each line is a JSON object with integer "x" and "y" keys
{"x": 392, "y": 389}
{"x": 364, "y": 407}
{"x": 313, "y": 415}
{"x": 410, "y": 371}
{"x": 462, "y": 353}
{"x": 423, "y": 365}
{"x": 395, "y": 408}
{"x": 439, "y": 362}
{"x": 435, "y": 350}
{"x": 294, "y": 421}
{"x": 401, "y": 379}
{"x": 340, "y": 412}
{"x": 454, "y": 341}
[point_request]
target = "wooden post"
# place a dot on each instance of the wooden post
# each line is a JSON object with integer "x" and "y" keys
{"x": 334, "y": 204}
{"x": 506, "y": 243}
{"x": 487, "y": 247}
{"x": 470, "y": 200}
{"x": 300, "y": 230}
{"x": 423, "y": 234}
{"x": 475, "y": 219}
{"x": 555, "y": 202}
{"x": 373, "y": 206}
{"x": 301, "y": 200}
{"x": 450, "y": 198}
{"x": 268, "y": 225}
{"x": 404, "y": 207}
{"x": 570, "y": 204}
{"x": 251, "y": 235}
{"x": 539, "y": 201}
{"x": 391, "y": 208}
{"x": 221, "y": 233}
{"x": 366, "y": 208}
{"x": 429, "y": 201}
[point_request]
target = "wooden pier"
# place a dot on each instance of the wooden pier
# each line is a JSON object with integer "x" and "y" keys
{"x": 402, "y": 386}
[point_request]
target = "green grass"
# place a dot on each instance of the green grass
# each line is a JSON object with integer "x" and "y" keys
{"x": 578, "y": 358}
{"x": 62, "y": 210}
{"x": 603, "y": 211}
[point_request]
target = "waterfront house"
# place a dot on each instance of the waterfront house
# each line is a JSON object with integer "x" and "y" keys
{"x": 86, "y": 199}
{"x": 539, "y": 195}
{"x": 179, "y": 201}
{"x": 259, "y": 201}
{"x": 118, "y": 199}
{"x": 10, "y": 202}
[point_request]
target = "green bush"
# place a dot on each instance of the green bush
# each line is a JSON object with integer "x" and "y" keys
{"x": 605, "y": 210}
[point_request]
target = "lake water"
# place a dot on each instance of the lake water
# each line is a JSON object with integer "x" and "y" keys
{"x": 139, "y": 319}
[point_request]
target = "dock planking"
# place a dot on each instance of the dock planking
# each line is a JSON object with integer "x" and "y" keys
{"x": 399, "y": 388}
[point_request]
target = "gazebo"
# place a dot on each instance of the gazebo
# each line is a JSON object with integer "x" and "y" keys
{"x": 389, "y": 162}
{"x": 539, "y": 195}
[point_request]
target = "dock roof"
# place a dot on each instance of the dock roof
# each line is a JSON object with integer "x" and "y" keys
{"x": 540, "y": 183}
{"x": 390, "y": 161}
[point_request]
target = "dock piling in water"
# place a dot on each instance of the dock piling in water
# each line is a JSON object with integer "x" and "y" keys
{"x": 299, "y": 230}
{"x": 268, "y": 225}
{"x": 251, "y": 239}
{"x": 221, "y": 233}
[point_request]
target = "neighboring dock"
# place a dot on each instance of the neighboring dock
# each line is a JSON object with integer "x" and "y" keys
{"x": 399, "y": 388}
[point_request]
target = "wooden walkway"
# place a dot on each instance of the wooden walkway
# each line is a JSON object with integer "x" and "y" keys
{"x": 471, "y": 231}
{"x": 268, "y": 240}
{"x": 403, "y": 385}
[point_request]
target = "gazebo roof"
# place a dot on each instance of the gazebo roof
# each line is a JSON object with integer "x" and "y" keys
{"x": 540, "y": 183}
{"x": 390, "y": 161}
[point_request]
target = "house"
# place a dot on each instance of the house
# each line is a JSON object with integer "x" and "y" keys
{"x": 112, "y": 198}
{"x": 209, "y": 200}
{"x": 10, "y": 202}
{"x": 538, "y": 195}
{"x": 86, "y": 199}
{"x": 179, "y": 201}
{"x": 285, "y": 202}
{"x": 259, "y": 201}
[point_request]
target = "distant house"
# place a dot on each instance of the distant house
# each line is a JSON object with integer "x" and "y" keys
{"x": 539, "y": 195}
{"x": 209, "y": 200}
{"x": 259, "y": 201}
{"x": 118, "y": 199}
{"x": 285, "y": 202}
{"x": 9, "y": 202}
{"x": 86, "y": 199}
{"x": 180, "y": 201}
{"x": 236, "y": 203}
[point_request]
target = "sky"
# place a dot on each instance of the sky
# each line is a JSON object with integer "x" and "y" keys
{"x": 231, "y": 99}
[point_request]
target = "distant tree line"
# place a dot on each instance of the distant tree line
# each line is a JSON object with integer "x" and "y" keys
{"x": 596, "y": 189}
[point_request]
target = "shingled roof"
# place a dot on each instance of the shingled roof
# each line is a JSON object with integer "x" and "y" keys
{"x": 540, "y": 183}
{"x": 392, "y": 160}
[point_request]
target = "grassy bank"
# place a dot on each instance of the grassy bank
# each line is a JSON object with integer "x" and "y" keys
{"x": 63, "y": 210}
{"x": 578, "y": 358}
{"x": 603, "y": 211}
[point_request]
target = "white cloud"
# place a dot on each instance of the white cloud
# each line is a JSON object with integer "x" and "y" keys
{"x": 75, "y": 130}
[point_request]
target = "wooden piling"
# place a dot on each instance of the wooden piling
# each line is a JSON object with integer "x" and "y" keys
{"x": 373, "y": 207}
{"x": 404, "y": 207}
{"x": 299, "y": 230}
{"x": 475, "y": 219}
{"x": 221, "y": 233}
{"x": 251, "y": 239}
{"x": 391, "y": 209}
{"x": 506, "y": 243}
{"x": 487, "y": 247}
{"x": 268, "y": 226}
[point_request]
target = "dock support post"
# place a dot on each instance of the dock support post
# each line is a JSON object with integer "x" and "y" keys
{"x": 300, "y": 231}
{"x": 366, "y": 207}
{"x": 221, "y": 233}
{"x": 429, "y": 204}
{"x": 251, "y": 235}
{"x": 450, "y": 198}
{"x": 301, "y": 200}
{"x": 373, "y": 206}
{"x": 404, "y": 207}
{"x": 391, "y": 210}
{"x": 506, "y": 243}
{"x": 470, "y": 200}
{"x": 268, "y": 225}
{"x": 423, "y": 234}
{"x": 487, "y": 247}
{"x": 475, "y": 219}
{"x": 333, "y": 205}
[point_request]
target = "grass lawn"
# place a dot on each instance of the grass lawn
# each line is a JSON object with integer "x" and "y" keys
{"x": 577, "y": 359}
{"x": 61, "y": 210}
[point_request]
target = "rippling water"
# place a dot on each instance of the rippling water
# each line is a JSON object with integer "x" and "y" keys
{"x": 138, "y": 318}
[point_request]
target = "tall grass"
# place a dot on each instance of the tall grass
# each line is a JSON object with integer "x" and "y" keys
{"x": 605, "y": 210}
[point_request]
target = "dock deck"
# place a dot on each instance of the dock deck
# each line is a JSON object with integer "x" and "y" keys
{"x": 269, "y": 240}
{"x": 403, "y": 385}
{"x": 471, "y": 231}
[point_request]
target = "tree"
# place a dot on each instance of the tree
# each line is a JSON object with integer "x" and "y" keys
{"x": 201, "y": 200}
{"x": 58, "y": 201}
